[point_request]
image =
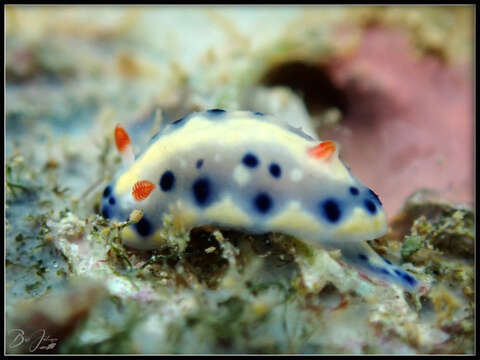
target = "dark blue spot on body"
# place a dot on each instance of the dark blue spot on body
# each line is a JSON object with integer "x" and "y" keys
{"x": 370, "y": 206}
{"x": 176, "y": 122}
{"x": 258, "y": 113}
{"x": 375, "y": 196}
{"x": 384, "y": 271}
{"x": 154, "y": 137}
{"x": 107, "y": 191}
{"x": 387, "y": 261}
{"x": 409, "y": 278}
{"x": 199, "y": 163}
{"x": 202, "y": 191}
{"x": 106, "y": 212}
{"x": 275, "y": 170}
{"x": 250, "y": 160}
{"x": 143, "y": 227}
{"x": 331, "y": 210}
{"x": 263, "y": 202}
{"x": 354, "y": 190}
{"x": 111, "y": 201}
{"x": 216, "y": 111}
{"x": 167, "y": 181}
{"x": 363, "y": 257}
{"x": 398, "y": 272}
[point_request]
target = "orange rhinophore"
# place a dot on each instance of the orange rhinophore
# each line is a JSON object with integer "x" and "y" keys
{"x": 121, "y": 138}
{"x": 324, "y": 150}
{"x": 123, "y": 145}
{"x": 142, "y": 189}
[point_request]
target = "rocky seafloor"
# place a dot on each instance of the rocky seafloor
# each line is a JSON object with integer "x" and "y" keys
{"x": 394, "y": 82}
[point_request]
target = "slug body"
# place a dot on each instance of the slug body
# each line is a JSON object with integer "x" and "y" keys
{"x": 245, "y": 171}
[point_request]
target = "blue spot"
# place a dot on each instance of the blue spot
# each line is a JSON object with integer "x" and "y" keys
{"x": 263, "y": 202}
{"x": 331, "y": 210}
{"x": 387, "y": 261}
{"x": 250, "y": 160}
{"x": 111, "y": 201}
{"x": 154, "y": 137}
{"x": 107, "y": 191}
{"x": 201, "y": 191}
{"x": 167, "y": 181}
{"x": 375, "y": 196}
{"x": 199, "y": 163}
{"x": 216, "y": 112}
{"x": 409, "y": 278}
{"x": 370, "y": 206}
{"x": 176, "y": 122}
{"x": 363, "y": 257}
{"x": 275, "y": 170}
{"x": 106, "y": 212}
{"x": 384, "y": 271}
{"x": 398, "y": 272}
{"x": 258, "y": 113}
{"x": 143, "y": 227}
{"x": 353, "y": 190}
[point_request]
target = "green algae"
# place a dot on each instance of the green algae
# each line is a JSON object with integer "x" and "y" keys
{"x": 17, "y": 178}
{"x": 451, "y": 231}
{"x": 441, "y": 239}
{"x": 411, "y": 244}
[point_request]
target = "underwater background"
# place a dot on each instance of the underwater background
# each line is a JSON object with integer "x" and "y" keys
{"x": 393, "y": 85}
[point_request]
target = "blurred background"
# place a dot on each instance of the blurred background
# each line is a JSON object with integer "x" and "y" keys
{"x": 393, "y": 85}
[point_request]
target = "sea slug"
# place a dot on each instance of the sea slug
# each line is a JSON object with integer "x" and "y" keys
{"x": 244, "y": 170}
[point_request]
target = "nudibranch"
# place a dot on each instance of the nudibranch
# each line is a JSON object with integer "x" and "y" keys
{"x": 244, "y": 170}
